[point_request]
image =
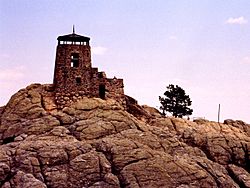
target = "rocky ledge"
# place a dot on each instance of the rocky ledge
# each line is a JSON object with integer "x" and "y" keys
{"x": 97, "y": 143}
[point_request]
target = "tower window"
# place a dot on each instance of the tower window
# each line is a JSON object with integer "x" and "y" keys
{"x": 100, "y": 75}
{"x": 78, "y": 80}
{"x": 74, "y": 60}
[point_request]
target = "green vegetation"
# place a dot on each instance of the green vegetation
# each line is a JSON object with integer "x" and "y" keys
{"x": 176, "y": 102}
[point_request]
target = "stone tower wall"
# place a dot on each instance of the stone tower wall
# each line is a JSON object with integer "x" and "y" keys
{"x": 115, "y": 90}
{"x": 65, "y": 76}
{"x": 68, "y": 89}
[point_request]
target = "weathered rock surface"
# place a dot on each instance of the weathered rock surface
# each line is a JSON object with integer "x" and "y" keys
{"x": 96, "y": 143}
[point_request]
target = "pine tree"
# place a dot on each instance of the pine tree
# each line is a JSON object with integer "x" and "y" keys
{"x": 176, "y": 102}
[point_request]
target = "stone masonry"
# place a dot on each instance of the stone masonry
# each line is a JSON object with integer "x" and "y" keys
{"x": 74, "y": 76}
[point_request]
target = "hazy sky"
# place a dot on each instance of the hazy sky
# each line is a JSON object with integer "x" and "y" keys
{"x": 201, "y": 45}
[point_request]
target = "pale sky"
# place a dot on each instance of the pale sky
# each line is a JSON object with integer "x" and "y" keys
{"x": 201, "y": 45}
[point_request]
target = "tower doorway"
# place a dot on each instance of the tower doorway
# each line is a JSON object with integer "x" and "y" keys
{"x": 102, "y": 91}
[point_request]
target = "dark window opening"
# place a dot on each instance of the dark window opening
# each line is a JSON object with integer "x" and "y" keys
{"x": 100, "y": 75}
{"x": 78, "y": 80}
{"x": 74, "y": 60}
{"x": 102, "y": 91}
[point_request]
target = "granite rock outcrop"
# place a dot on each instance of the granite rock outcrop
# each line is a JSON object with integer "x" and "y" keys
{"x": 98, "y": 143}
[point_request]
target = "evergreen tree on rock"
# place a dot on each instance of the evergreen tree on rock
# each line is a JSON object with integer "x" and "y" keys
{"x": 176, "y": 102}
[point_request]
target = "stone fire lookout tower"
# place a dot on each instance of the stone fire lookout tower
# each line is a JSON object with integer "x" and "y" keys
{"x": 74, "y": 76}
